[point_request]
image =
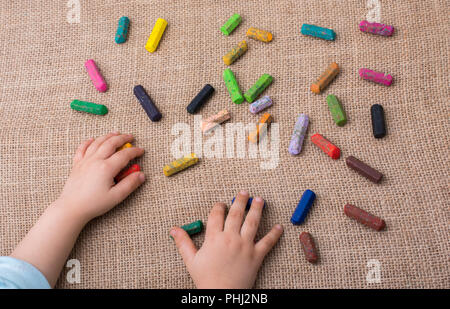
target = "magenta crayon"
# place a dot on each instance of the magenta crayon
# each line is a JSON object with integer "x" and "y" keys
{"x": 376, "y": 77}
{"x": 95, "y": 75}
{"x": 376, "y": 28}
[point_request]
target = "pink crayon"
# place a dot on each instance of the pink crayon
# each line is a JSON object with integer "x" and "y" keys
{"x": 95, "y": 75}
{"x": 376, "y": 77}
{"x": 376, "y": 28}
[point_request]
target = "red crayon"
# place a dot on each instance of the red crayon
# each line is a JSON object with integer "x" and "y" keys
{"x": 364, "y": 217}
{"x": 132, "y": 169}
{"x": 333, "y": 151}
{"x": 309, "y": 248}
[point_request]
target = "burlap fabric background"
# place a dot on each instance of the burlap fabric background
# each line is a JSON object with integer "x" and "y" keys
{"x": 42, "y": 71}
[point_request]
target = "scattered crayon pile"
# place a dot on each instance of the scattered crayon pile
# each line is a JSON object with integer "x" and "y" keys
{"x": 258, "y": 105}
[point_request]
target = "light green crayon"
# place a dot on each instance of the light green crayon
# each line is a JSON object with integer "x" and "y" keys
{"x": 231, "y": 24}
{"x": 232, "y": 86}
{"x": 261, "y": 84}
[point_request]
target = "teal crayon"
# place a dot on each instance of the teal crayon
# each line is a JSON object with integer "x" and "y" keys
{"x": 122, "y": 30}
{"x": 318, "y": 32}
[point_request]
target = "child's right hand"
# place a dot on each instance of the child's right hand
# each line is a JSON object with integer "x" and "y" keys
{"x": 229, "y": 257}
{"x": 90, "y": 190}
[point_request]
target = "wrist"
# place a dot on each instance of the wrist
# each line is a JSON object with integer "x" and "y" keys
{"x": 70, "y": 210}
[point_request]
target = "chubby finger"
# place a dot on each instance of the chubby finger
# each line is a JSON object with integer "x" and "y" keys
{"x": 184, "y": 244}
{"x": 121, "y": 158}
{"x": 79, "y": 154}
{"x": 251, "y": 223}
{"x": 266, "y": 244}
{"x": 216, "y": 219}
{"x": 126, "y": 186}
{"x": 98, "y": 141}
{"x": 109, "y": 147}
{"x": 235, "y": 216}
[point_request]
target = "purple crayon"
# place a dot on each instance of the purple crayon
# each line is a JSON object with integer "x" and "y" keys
{"x": 376, "y": 28}
{"x": 376, "y": 77}
{"x": 295, "y": 146}
{"x": 260, "y": 105}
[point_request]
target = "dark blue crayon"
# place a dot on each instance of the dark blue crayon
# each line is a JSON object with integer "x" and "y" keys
{"x": 147, "y": 103}
{"x": 303, "y": 207}
{"x": 200, "y": 99}
{"x": 249, "y": 203}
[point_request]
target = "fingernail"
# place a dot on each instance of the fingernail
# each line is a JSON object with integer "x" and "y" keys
{"x": 278, "y": 227}
{"x": 243, "y": 192}
{"x": 258, "y": 199}
{"x": 173, "y": 232}
{"x": 142, "y": 177}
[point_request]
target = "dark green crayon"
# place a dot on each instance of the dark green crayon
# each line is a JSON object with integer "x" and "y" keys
{"x": 192, "y": 228}
{"x": 89, "y": 107}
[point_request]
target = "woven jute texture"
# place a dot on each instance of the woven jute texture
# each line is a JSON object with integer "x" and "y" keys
{"x": 42, "y": 70}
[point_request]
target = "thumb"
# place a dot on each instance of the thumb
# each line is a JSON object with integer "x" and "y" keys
{"x": 184, "y": 244}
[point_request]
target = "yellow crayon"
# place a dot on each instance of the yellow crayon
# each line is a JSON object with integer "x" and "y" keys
{"x": 180, "y": 164}
{"x": 260, "y": 35}
{"x": 156, "y": 35}
{"x": 127, "y": 145}
{"x": 235, "y": 53}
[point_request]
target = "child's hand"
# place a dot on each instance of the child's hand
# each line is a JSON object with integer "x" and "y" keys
{"x": 90, "y": 190}
{"x": 229, "y": 257}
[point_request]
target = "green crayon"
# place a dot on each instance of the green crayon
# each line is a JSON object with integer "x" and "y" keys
{"x": 261, "y": 84}
{"x": 337, "y": 112}
{"x": 89, "y": 107}
{"x": 192, "y": 228}
{"x": 232, "y": 86}
{"x": 231, "y": 24}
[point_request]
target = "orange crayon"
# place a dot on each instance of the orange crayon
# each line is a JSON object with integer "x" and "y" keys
{"x": 261, "y": 128}
{"x": 325, "y": 79}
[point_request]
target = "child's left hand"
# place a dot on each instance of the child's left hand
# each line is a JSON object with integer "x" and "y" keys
{"x": 88, "y": 193}
{"x": 90, "y": 190}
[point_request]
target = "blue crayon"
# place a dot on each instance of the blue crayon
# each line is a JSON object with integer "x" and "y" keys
{"x": 303, "y": 207}
{"x": 249, "y": 203}
{"x": 122, "y": 30}
{"x": 318, "y": 32}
